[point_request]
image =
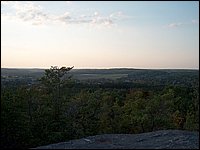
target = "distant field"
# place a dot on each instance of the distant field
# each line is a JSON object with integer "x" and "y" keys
{"x": 113, "y": 74}
{"x": 99, "y": 76}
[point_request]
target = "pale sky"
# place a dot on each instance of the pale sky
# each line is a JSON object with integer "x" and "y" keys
{"x": 115, "y": 34}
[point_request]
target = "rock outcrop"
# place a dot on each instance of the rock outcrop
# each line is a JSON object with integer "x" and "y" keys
{"x": 163, "y": 139}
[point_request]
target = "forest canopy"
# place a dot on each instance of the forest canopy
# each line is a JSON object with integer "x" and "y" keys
{"x": 58, "y": 107}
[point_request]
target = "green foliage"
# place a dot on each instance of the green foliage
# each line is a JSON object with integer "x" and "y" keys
{"x": 192, "y": 123}
{"x": 54, "y": 80}
{"x": 57, "y": 110}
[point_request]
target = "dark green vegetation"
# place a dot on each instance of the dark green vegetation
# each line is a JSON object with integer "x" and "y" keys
{"x": 69, "y": 104}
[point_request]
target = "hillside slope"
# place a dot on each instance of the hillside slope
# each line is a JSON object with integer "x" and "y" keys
{"x": 163, "y": 139}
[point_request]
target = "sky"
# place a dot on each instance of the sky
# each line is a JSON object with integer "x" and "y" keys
{"x": 100, "y": 34}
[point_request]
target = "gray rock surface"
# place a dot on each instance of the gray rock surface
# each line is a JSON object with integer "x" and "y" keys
{"x": 163, "y": 139}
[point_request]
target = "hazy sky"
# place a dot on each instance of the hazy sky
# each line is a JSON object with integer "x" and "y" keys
{"x": 100, "y": 34}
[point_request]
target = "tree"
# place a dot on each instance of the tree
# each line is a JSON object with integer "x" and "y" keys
{"x": 54, "y": 79}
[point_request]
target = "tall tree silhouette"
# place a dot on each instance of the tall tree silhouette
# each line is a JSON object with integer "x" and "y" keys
{"x": 53, "y": 80}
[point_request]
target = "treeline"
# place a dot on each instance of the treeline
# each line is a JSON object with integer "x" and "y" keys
{"x": 55, "y": 110}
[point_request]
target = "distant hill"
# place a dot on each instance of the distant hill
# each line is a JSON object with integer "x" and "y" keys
{"x": 114, "y": 73}
{"x": 22, "y": 72}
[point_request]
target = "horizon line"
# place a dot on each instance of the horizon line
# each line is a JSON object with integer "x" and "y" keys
{"x": 101, "y": 68}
